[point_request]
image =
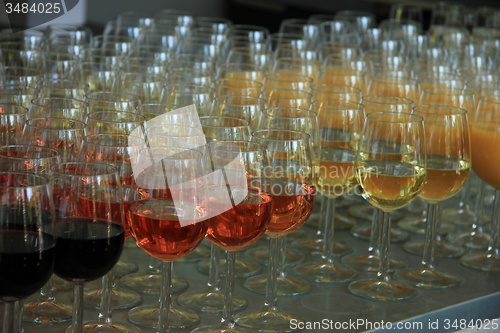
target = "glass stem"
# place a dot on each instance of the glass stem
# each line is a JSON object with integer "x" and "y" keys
{"x": 213, "y": 273}
{"x": 495, "y": 226}
{"x": 385, "y": 241}
{"x": 478, "y": 210}
{"x": 375, "y": 235}
{"x": 329, "y": 227}
{"x": 282, "y": 257}
{"x": 430, "y": 235}
{"x": 228, "y": 312}
{"x": 77, "y": 325}
{"x": 272, "y": 276}
{"x": 46, "y": 293}
{"x": 322, "y": 217}
{"x": 19, "y": 313}
{"x": 464, "y": 196}
{"x": 106, "y": 294}
{"x": 438, "y": 216}
{"x": 154, "y": 266}
{"x": 9, "y": 324}
{"x": 165, "y": 290}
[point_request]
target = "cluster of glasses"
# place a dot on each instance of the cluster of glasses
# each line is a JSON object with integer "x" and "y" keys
{"x": 91, "y": 155}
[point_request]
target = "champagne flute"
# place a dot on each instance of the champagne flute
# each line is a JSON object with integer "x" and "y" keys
{"x": 448, "y": 169}
{"x": 171, "y": 180}
{"x": 389, "y": 182}
{"x": 484, "y": 134}
{"x": 247, "y": 215}
{"x": 293, "y": 194}
{"x": 89, "y": 229}
{"x": 28, "y": 244}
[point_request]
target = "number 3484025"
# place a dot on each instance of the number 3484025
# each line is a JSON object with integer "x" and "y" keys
{"x": 25, "y": 8}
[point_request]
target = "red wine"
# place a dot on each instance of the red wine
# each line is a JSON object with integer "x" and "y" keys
{"x": 103, "y": 204}
{"x": 24, "y": 266}
{"x": 86, "y": 249}
{"x": 157, "y": 230}
{"x": 293, "y": 203}
{"x": 241, "y": 225}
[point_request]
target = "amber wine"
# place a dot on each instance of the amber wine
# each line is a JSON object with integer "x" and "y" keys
{"x": 445, "y": 177}
{"x": 336, "y": 171}
{"x": 390, "y": 185}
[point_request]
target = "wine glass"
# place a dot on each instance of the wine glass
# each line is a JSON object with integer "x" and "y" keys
{"x": 62, "y": 88}
{"x": 242, "y": 107}
{"x": 288, "y": 81}
{"x": 28, "y": 241}
{"x": 293, "y": 194}
{"x": 304, "y": 121}
{"x": 171, "y": 178}
{"x": 345, "y": 76}
{"x": 448, "y": 169}
{"x": 238, "y": 87}
{"x": 390, "y": 181}
{"x": 484, "y": 134}
{"x": 89, "y": 229}
{"x": 394, "y": 86}
{"x": 322, "y": 92}
{"x": 12, "y": 120}
{"x": 287, "y": 98}
{"x": 247, "y": 182}
{"x": 242, "y": 71}
{"x": 113, "y": 122}
{"x": 340, "y": 127}
{"x": 55, "y": 107}
{"x": 107, "y": 100}
{"x": 115, "y": 150}
{"x": 63, "y": 135}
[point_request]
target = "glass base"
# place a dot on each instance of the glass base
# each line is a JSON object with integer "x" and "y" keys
{"x": 60, "y": 284}
{"x": 96, "y": 327}
{"x": 417, "y": 225}
{"x": 268, "y": 321}
{"x": 286, "y": 286}
{"x": 441, "y": 249}
{"x": 365, "y": 211}
{"x": 120, "y": 299}
{"x": 220, "y": 329}
{"x": 242, "y": 268}
{"x": 369, "y": 263}
{"x": 379, "y": 290}
{"x": 315, "y": 246}
{"x": 123, "y": 268}
{"x": 147, "y": 316}
{"x": 261, "y": 256}
{"x": 201, "y": 252}
{"x": 365, "y": 232}
{"x": 470, "y": 239}
{"x": 150, "y": 283}
{"x": 42, "y": 312}
{"x": 482, "y": 261}
{"x": 462, "y": 217}
{"x": 209, "y": 301}
{"x": 427, "y": 278}
{"x": 325, "y": 272}
{"x": 341, "y": 222}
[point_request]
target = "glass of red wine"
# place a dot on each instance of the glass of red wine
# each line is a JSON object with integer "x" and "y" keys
{"x": 240, "y": 209}
{"x": 168, "y": 217}
{"x": 293, "y": 194}
{"x": 27, "y": 240}
{"x": 89, "y": 229}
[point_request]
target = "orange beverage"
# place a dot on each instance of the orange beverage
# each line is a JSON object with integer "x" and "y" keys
{"x": 485, "y": 150}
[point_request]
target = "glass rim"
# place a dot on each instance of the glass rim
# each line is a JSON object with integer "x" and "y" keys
{"x": 83, "y": 104}
{"x": 15, "y": 106}
{"x": 399, "y": 80}
{"x": 420, "y": 108}
{"x": 90, "y": 95}
{"x": 248, "y": 143}
{"x": 396, "y": 98}
{"x": 149, "y": 150}
{"x": 54, "y": 153}
{"x": 487, "y": 99}
{"x": 300, "y": 92}
{"x": 244, "y": 123}
{"x": 308, "y": 113}
{"x": 151, "y": 130}
{"x": 131, "y": 114}
{"x": 110, "y": 169}
{"x": 448, "y": 91}
{"x": 304, "y": 136}
{"x": 88, "y": 139}
{"x": 417, "y": 119}
{"x": 273, "y": 77}
{"x": 256, "y": 84}
{"x": 359, "y": 106}
{"x": 81, "y": 123}
{"x": 259, "y": 99}
{"x": 353, "y": 89}
{"x": 45, "y": 181}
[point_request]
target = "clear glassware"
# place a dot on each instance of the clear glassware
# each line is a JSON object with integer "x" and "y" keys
{"x": 447, "y": 173}
{"x": 379, "y": 175}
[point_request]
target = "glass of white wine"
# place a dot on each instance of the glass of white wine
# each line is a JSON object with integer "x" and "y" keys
{"x": 389, "y": 182}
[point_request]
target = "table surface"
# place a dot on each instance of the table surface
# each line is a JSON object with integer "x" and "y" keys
{"x": 474, "y": 298}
